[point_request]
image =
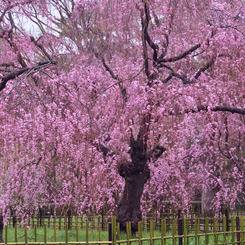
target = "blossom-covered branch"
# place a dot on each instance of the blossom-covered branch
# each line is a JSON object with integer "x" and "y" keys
{"x": 31, "y": 69}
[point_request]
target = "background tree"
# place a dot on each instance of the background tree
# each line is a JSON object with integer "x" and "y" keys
{"x": 151, "y": 91}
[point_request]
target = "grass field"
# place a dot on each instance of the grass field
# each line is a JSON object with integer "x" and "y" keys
{"x": 38, "y": 235}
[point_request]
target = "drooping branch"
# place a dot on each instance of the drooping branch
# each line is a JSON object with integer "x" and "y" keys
{"x": 16, "y": 74}
{"x": 185, "y": 53}
{"x": 9, "y": 39}
{"x": 227, "y": 153}
{"x": 106, "y": 66}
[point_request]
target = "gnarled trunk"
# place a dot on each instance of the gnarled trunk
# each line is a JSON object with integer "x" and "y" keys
{"x": 129, "y": 207}
{"x": 136, "y": 173}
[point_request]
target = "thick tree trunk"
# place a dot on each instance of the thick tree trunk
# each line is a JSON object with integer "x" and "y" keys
{"x": 136, "y": 173}
{"x": 129, "y": 207}
{"x": 1, "y": 229}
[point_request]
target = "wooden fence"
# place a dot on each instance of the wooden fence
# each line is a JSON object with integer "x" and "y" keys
{"x": 102, "y": 221}
{"x": 182, "y": 233}
{"x": 50, "y": 217}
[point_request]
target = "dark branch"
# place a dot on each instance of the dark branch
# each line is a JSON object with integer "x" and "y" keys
{"x": 154, "y": 46}
{"x": 181, "y": 56}
{"x": 145, "y": 55}
{"x": 40, "y": 46}
{"x": 108, "y": 68}
{"x": 7, "y": 64}
{"x": 167, "y": 79}
{"x": 175, "y": 74}
{"x": 215, "y": 108}
{"x": 31, "y": 163}
{"x": 205, "y": 67}
{"x": 115, "y": 77}
{"x": 103, "y": 149}
{"x": 145, "y": 19}
{"x": 15, "y": 74}
{"x": 156, "y": 152}
{"x": 184, "y": 77}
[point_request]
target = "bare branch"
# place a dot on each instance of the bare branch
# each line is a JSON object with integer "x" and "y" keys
{"x": 103, "y": 149}
{"x": 145, "y": 19}
{"x": 10, "y": 7}
{"x": 181, "y": 56}
{"x": 115, "y": 77}
{"x": 175, "y": 74}
{"x": 40, "y": 46}
{"x": 145, "y": 54}
{"x": 184, "y": 77}
{"x": 108, "y": 68}
{"x": 167, "y": 79}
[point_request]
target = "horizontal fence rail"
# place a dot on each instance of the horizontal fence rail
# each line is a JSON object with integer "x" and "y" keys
{"x": 50, "y": 216}
{"x": 100, "y": 222}
{"x": 207, "y": 231}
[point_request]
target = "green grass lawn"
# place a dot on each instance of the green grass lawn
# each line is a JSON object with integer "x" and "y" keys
{"x": 93, "y": 235}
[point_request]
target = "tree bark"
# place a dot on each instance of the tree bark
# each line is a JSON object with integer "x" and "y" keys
{"x": 136, "y": 173}
{"x": 1, "y": 229}
{"x": 129, "y": 207}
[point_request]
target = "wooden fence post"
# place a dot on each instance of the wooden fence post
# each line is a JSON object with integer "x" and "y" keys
{"x": 238, "y": 229}
{"x": 14, "y": 220}
{"x": 114, "y": 228}
{"x": 102, "y": 222}
{"x": 1, "y": 228}
{"x": 224, "y": 229}
{"x": 242, "y": 229}
{"x": 151, "y": 232}
{"x": 40, "y": 216}
{"x": 110, "y": 232}
{"x": 180, "y": 228}
{"x": 227, "y": 219}
{"x": 129, "y": 232}
{"x": 206, "y": 230}
{"x": 69, "y": 219}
